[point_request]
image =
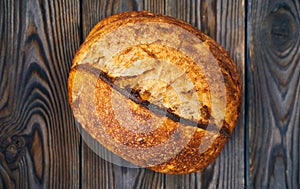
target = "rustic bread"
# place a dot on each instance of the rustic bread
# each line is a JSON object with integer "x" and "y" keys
{"x": 155, "y": 91}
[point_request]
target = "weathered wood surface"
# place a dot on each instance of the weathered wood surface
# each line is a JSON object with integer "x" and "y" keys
{"x": 274, "y": 94}
{"x": 41, "y": 147}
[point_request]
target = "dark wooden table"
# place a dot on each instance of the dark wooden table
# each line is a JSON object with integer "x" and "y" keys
{"x": 40, "y": 146}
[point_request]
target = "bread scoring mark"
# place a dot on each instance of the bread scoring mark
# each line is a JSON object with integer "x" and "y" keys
{"x": 166, "y": 77}
{"x": 224, "y": 131}
{"x": 205, "y": 111}
{"x": 134, "y": 95}
{"x": 149, "y": 53}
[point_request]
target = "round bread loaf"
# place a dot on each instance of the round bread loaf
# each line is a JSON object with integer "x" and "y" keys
{"x": 155, "y": 91}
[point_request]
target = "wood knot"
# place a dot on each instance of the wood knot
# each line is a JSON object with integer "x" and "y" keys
{"x": 280, "y": 28}
{"x": 13, "y": 149}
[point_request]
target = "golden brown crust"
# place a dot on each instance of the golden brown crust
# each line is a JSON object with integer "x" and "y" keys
{"x": 189, "y": 140}
{"x": 128, "y": 127}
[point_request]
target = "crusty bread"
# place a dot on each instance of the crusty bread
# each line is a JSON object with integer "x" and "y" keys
{"x": 155, "y": 91}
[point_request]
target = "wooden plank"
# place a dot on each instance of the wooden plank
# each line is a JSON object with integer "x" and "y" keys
{"x": 39, "y": 144}
{"x": 94, "y": 11}
{"x": 274, "y": 94}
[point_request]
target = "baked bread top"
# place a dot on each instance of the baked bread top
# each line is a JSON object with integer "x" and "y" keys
{"x": 155, "y": 91}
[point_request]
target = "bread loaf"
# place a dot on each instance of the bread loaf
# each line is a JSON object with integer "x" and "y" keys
{"x": 155, "y": 91}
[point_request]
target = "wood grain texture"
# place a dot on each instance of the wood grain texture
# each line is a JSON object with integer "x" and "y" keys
{"x": 274, "y": 94}
{"x": 226, "y": 25}
{"x": 39, "y": 144}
